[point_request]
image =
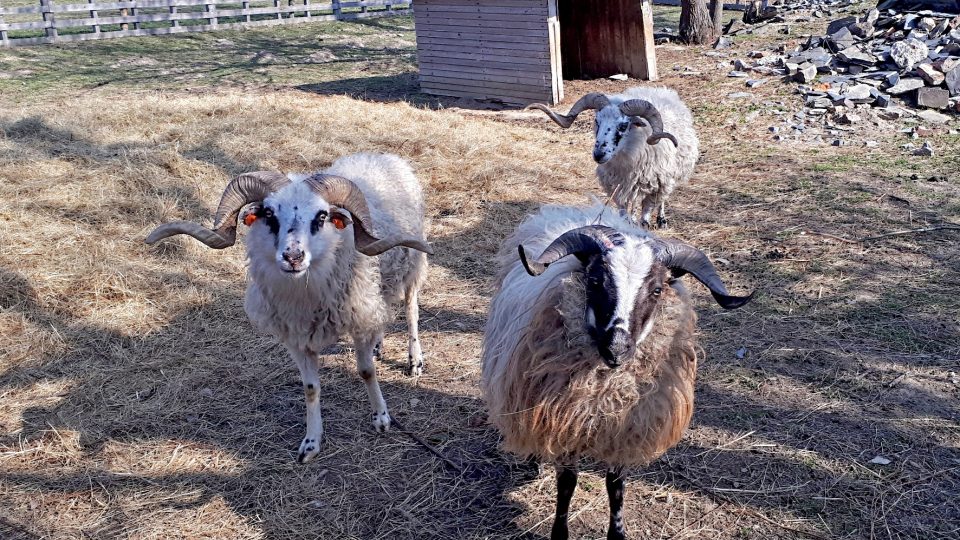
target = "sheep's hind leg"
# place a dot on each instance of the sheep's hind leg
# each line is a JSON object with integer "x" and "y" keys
{"x": 566, "y": 484}
{"x": 309, "y": 374}
{"x": 368, "y": 372}
{"x": 615, "y": 489}
{"x": 414, "y": 352}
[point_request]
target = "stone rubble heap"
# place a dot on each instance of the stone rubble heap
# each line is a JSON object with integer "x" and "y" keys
{"x": 788, "y": 11}
{"x": 868, "y": 59}
{"x": 880, "y": 69}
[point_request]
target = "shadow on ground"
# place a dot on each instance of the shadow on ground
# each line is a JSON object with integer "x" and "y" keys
{"x": 246, "y": 401}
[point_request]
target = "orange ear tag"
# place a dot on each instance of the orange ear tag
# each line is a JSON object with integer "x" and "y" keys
{"x": 338, "y": 222}
{"x": 249, "y": 219}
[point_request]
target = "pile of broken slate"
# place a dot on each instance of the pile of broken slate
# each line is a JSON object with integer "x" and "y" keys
{"x": 873, "y": 58}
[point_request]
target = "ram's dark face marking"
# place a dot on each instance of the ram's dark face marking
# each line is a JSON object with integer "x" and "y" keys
{"x": 610, "y": 131}
{"x": 293, "y": 220}
{"x": 623, "y": 286}
{"x": 269, "y": 216}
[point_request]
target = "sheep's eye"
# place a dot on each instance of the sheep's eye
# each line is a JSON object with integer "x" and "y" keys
{"x": 657, "y": 291}
{"x": 321, "y": 215}
{"x": 623, "y": 126}
{"x": 267, "y": 213}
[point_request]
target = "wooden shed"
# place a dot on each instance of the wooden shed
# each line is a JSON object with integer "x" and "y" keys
{"x": 519, "y": 51}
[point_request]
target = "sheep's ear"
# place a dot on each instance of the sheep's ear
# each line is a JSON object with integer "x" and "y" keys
{"x": 339, "y": 219}
{"x": 249, "y": 213}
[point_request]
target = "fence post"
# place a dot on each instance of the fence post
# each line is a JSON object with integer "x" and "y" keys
{"x": 306, "y": 4}
{"x": 212, "y": 10}
{"x": 133, "y": 13}
{"x": 94, "y": 14}
{"x": 276, "y": 5}
{"x": 50, "y": 29}
{"x": 336, "y": 10}
{"x": 3, "y": 35}
{"x": 245, "y": 5}
{"x": 173, "y": 11}
{"x": 124, "y": 12}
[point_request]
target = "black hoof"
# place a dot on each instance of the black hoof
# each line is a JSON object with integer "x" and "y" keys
{"x": 645, "y": 224}
{"x": 661, "y": 223}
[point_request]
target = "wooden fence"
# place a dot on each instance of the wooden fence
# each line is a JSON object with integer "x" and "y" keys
{"x": 57, "y": 23}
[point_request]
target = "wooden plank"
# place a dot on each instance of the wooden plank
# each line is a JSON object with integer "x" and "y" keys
{"x": 142, "y": 4}
{"x": 556, "y": 66}
{"x": 477, "y": 16}
{"x": 516, "y": 95}
{"x": 502, "y": 68}
{"x": 502, "y": 62}
{"x": 30, "y": 25}
{"x": 486, "y": 3}
{"x": 481, "y": 74}
{"x": 372, "y": 3}
{"x": 460, "y": 24}
{"x": 503, "y": 38}
{"x": 505, "y": 87}
{"x": 506, "y": 96}
{"x": 468, "y": 44}
{"x": 374, "y": 14}
{"x": 492, "y": 55}
{"x": 485, "y": 10}
{"x": 176, "y": 17}
{"x": 160, "y": 4}
{"x": 649, "y": 46}
{"x": 19, "y": 10}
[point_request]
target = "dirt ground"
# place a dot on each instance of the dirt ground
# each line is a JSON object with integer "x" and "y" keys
{"x": 137, "y": 402}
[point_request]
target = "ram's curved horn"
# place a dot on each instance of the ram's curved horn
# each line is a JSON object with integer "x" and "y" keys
{"x": 241, "y": 191}
{"x": 339, "y": 191}
{"x": 582, "y": 241}
{"x": 644, "y": 109}
{"x": 593, "y": 100}
{"x": 682, "y": 258}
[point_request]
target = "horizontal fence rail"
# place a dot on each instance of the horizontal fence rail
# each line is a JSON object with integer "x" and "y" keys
{"x": 50, "y": 22}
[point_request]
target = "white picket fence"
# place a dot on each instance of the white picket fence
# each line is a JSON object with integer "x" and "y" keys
{"x": 50, "y": 22}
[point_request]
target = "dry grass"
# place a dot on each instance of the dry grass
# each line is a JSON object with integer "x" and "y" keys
{"x": 136, "y": 402}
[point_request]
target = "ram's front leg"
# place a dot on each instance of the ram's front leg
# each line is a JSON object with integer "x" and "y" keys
{"x": 662, "y": 215}
{"x": 646, "y": 210}
{"x": 368, "y": 372}
{"x": 414, "y": 352}
{"x": 309, "y": 373}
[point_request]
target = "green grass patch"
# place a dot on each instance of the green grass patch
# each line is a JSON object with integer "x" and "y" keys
{"x": 311, "y": 53}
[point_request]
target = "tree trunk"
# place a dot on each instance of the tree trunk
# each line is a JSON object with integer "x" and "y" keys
{"x": 716, "y": 13}
{"x": 696, "y": 28}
